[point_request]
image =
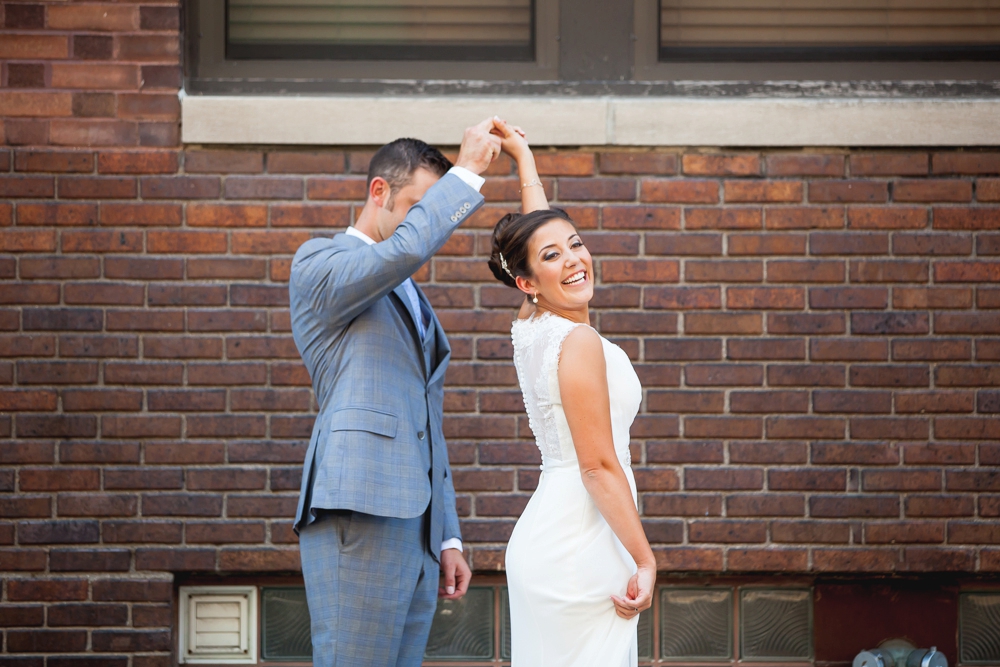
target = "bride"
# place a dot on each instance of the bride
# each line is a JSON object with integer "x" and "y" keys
{"x": 579, "y": 567}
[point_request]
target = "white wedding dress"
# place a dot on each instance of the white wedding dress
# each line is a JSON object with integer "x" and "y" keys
{"x": 563, "y": 560}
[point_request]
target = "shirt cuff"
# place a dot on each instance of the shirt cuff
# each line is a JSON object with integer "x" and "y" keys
{"x": 453, "y": 543}
{"x": 472, "y": 180}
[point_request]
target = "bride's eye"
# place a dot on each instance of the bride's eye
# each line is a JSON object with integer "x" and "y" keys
{"x": 577, "y": 244}
{"x": 551, "y": 255}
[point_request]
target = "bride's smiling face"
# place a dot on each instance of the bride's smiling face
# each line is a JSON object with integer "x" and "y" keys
{"x": 562, "y": 271}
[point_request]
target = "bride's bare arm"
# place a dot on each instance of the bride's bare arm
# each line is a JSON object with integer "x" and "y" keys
{"x": 583, "y": 385}
{"x": 514, "y": 143}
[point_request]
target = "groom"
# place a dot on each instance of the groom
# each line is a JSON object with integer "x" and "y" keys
{"x": 376, "y": 517}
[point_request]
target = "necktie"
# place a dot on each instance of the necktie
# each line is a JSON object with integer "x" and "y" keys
{"x": 411, "y": 291}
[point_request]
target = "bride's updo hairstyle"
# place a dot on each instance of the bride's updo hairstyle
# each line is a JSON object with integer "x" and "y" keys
{"x": 511, "y": 237}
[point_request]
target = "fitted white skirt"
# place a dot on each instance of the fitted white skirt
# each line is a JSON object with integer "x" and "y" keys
{"x": 563, "y": 565}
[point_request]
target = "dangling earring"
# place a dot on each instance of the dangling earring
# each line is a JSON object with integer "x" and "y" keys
{"x": 534, "y": 299}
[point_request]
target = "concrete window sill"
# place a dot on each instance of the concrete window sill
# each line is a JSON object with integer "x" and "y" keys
{"x": 594, "y": 121}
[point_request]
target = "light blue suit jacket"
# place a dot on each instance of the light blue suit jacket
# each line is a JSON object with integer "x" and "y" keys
{"x": 378, "y": 430}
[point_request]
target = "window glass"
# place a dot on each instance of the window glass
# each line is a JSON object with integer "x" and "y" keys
{"x": 818, "y": 30}
{"x": 381, "y": 29}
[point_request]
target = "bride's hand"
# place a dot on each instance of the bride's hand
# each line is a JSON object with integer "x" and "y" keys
{"x": 638, "y": 594}
{"x": 512, "y": 139}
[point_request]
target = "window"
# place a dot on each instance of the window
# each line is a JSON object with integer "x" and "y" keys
{"x": 364, "y": 46}
{"x": 725, "y": 625}
{"x": 823, "y": 30}
{"x": 830, "y": 40}
{"x": 381, "y": 30}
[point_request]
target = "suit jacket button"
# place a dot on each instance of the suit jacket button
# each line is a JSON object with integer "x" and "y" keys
{"x": 420, "y": 435}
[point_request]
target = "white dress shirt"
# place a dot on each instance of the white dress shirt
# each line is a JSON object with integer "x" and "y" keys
{"x": 475, "y": 182}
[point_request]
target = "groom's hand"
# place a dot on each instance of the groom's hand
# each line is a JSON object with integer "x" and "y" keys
{"x": 455, "y": 575}
{"x": 479, "y": 147}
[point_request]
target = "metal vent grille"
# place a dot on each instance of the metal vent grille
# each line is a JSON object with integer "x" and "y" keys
{"x": 696, "y": 624}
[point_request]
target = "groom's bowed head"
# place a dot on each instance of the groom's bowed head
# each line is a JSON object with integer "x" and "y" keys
{"x": 401, "y": 172}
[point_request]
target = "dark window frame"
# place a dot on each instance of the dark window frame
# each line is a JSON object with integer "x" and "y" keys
{"x": 587, "y": 47}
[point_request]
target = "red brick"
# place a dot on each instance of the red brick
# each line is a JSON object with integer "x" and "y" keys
{"x": 865, "y": 453}
{"x": 767, "y": 560}
{"x": 931, "y": 297}
{"x": 768, "y": 401}
{"x": 766, "y": 244}
{"x": 889, "y": 164}
{"x": 101, "y": 400}
{"x": 931, "y": 349}
{"x": 640, "y": 217}
{"x": 143, "y": 373}
{"x": 750, "y": 271}
{"x": 723, "y": 218}
{"x": 796, "y": 428}
{"x": 682, "y": 504}
{"x": 804, "y": 165}
{"x": 565, "y": 164}
{"x": 809, "y": 271}
{"x": 722, "y": 323}
{"x": 896, "y": 217}
{"x": 243, "y": 532}
{"x": 855, "y": 560}
{"x": 847, "y": 349}
{"x": 137, "y": 162}
{"x": 939, "y": 453}
{"x": 686, "y": 401}
{"x": 896, "y": 428}
{"x": 981, "y": 217}
{"x": 848, "y": 191}
{"x": 762, "y": 191}
{"x": 722, "y": 427}
{"x": 770, "y": 298}
{"x": 675, "y": 349}
{"x": 889, "y": 323}
{"x": 638, "y": 163}
{"x": 683, "y": 298}
{"x": 53, "y": 161}
{"x": 932, "y": 243}
{"x": 967, "y": 376}
{"x": 80, "y": 215}
{"x": 679, "y": 191}
{"x": 766, "y": 452}
{"x": 42, "y": 641}
{"x": 727, "y": 532}
{"x": 763, "y": 504}
{"x": 922, "y": 505}
{"x": 685, "y": 451}
{"x": 684, "y": 244}
{"x": 890, "y": 376}
{"x": 721, "y": 165}
{"x": 932, "y": 190}
{"x": 806, "y": 479}
{"x": 597, "y": 189}
{"x": 643, "y": 271}
{"x": 180, "y": 187}
{"x": 966, "y": 163}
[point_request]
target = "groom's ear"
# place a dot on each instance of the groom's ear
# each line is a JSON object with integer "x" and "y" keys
{"x": 379, "y": 191}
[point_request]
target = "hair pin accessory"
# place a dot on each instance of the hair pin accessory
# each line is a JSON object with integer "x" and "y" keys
{"x": 503, "y": 265}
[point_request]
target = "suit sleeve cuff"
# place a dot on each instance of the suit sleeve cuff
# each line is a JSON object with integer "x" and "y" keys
{"x": 453, "y": 543}
{"x": 472, "y": 180}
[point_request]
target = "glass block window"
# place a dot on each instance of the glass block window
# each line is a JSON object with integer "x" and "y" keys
{"x": 463, "y": 629}
{"x": 696, "y": 623}
{"x": 284, "y": 622}
{"x": 979, "y": 628}
{"x": 775, "y": 624}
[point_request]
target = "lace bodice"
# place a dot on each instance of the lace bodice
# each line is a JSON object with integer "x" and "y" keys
{"x": 537, "y": 347}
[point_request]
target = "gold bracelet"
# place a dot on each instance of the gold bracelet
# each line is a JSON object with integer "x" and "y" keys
{"x": 533, "y": 181}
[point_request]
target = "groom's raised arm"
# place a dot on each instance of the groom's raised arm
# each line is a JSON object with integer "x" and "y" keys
{"x": 340, "y": 283}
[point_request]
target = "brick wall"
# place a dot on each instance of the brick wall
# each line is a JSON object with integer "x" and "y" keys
{"x": 817, "y": 333}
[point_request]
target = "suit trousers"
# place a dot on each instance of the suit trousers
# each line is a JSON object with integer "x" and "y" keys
{"x": 372, "y": 586}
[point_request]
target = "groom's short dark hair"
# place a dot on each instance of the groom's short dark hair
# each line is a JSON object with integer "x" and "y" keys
{"x": 397, "y": 160}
